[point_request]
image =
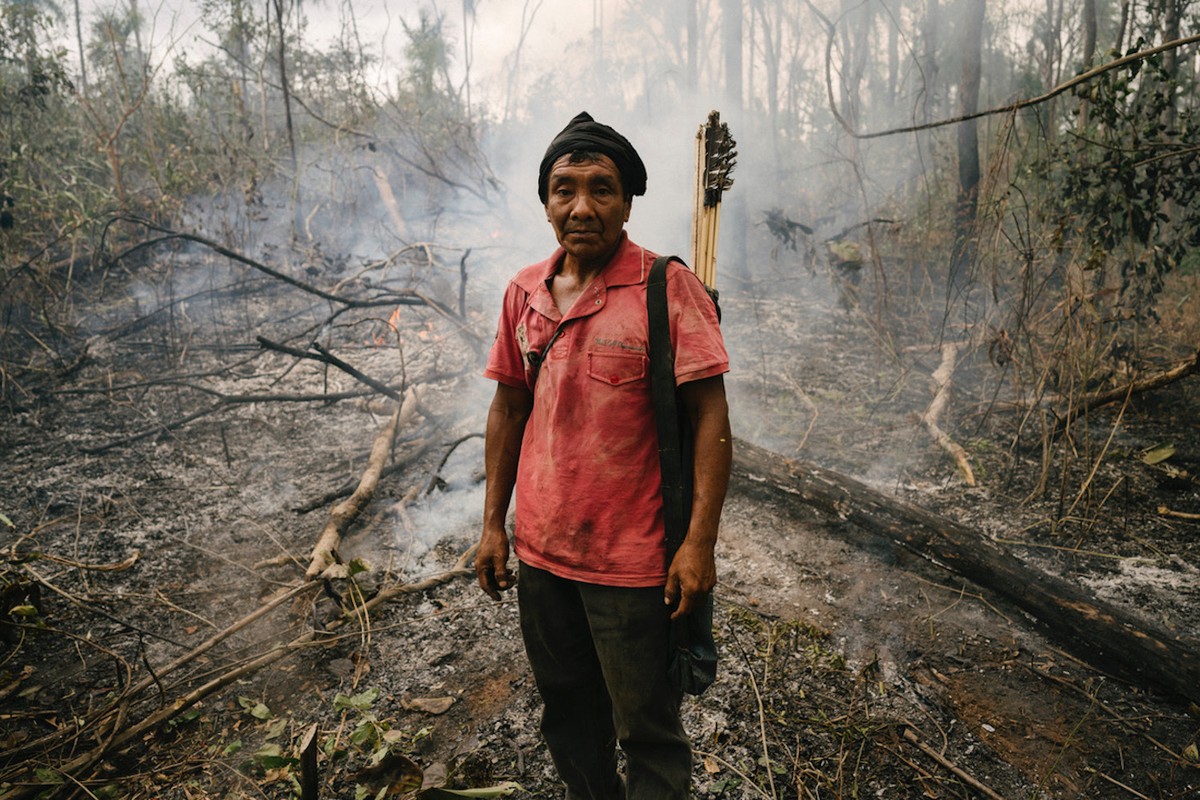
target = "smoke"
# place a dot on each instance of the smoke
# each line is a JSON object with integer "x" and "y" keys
{"x": 453, "y": 510}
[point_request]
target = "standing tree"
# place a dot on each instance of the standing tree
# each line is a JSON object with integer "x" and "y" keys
{"x": 966, "y": 207}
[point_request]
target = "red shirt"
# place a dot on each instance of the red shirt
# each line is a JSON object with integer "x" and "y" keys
{"x": 588, "y": 493}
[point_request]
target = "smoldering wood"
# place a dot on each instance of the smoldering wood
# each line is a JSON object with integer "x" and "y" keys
{"x": 1093, "y": 630}
{"x": 419, "y": 447}
{"x": 436, "y": 476}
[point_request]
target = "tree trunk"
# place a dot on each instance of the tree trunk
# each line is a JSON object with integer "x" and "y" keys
{"x": 1092, "y": 629}
{"x": 1171, "y": 22}
{"x": 929, "y": 61}
{"x": 297, "y": 220}
{"x": 83, "y": 82}
{"x": 968, "y": 144}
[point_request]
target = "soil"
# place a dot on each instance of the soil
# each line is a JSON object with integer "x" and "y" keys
{"x": 846, "y": 671}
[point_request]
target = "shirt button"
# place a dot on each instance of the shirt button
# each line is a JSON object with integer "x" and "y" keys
{"x": 598, "y": 301}
{"x": 614, "y": 379}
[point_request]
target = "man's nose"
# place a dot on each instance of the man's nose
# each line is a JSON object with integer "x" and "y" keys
{"x": 583, "y": 206}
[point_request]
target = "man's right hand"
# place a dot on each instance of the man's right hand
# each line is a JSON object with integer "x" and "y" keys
{"x": 491, "y": 562}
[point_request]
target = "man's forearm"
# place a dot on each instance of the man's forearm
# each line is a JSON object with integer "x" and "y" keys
{"x": 505, "y": 427}
{"x": 712, "y": 459}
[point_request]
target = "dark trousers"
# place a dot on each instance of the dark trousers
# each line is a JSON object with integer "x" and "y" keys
{"x": 599, "y": 657}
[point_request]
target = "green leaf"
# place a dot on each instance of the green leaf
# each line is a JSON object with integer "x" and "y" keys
{"x": 270, "y": 756}
{"x": 363, "y": 734}
{"x": 183, "y": 719}
{"x": 1158, "y": 454}
{"x": 47, "y": 775}
{"x": 275, "y": 728}
{"x": 24, "y": 611}
{"x": 254, "y": 708}
{"x": 361, "y": 701}
{"x": 6, "y": 521}
{"x": 269, "y": 750}
{"x": 232, "y": 747}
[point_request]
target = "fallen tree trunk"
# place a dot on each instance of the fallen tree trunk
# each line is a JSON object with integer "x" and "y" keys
{"x": 1093, "y": 630}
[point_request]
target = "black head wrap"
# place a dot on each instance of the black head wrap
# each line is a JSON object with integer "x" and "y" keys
{"x": 584, "y": 134}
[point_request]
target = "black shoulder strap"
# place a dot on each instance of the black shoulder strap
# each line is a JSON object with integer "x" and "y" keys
{"x": 675, "y": 483}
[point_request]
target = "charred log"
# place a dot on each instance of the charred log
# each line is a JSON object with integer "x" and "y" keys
{"x": 1095, "y": 631}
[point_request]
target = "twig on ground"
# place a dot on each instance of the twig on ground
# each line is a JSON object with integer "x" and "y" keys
{"x": 1116, "y": 782}
{"x": 125, "y": 734}
{"x": 911, "y": 736}
{"x": 1166, "y": 512}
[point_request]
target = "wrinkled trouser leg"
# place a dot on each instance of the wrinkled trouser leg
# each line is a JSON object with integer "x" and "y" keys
{"x": 599, "y": 657}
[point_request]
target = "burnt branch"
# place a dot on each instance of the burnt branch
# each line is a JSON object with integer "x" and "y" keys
{"x": 392, "y": 297}
{"x": 325, "y": 357}
{"x": 1119, "y": 394}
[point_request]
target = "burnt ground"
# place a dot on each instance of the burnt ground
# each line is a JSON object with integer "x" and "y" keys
{"x": 846, "y": 671}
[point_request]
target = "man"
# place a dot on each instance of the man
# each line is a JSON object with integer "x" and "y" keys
{"x": 571, "y": 428}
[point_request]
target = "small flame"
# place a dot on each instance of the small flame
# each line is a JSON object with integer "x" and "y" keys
{"x": 393, "y": 322}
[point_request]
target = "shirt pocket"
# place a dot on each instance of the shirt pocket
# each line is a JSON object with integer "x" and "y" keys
{"x": 617, "y": 369}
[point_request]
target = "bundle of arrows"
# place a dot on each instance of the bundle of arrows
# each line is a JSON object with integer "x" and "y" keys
{"x": 716, "y": 155}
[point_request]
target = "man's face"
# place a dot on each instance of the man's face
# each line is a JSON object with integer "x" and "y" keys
{"x": 587, "y": 208}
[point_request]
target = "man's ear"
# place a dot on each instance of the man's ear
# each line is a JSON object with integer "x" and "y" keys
{"x": 628, "y": 207}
